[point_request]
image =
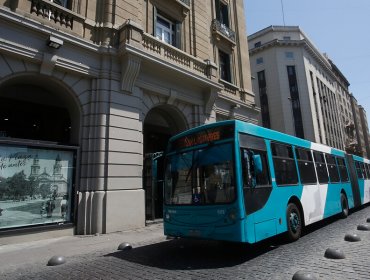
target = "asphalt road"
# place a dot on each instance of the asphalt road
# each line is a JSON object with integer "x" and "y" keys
{"x": 195, "y": 259}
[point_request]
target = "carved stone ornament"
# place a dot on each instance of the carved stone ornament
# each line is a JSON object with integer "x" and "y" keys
{"x": 130, "y": 71}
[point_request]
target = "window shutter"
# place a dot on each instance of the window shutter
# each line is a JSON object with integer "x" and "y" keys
{"x": 217, "y": 7}
{"x": 154, "y": 21}
{"x": 178, "y": 35}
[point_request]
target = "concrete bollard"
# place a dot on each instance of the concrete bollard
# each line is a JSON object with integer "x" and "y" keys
{"x": 56, "y": 260}
{"x": 124, "y": 246}
{"x": 334, "y": 254}
{"x": 352, "y": 238}
{"x": 363, "y": 227}
{"x": 303, "y": 275}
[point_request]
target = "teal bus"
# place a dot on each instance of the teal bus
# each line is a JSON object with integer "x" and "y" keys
{"x": 236, "y": 181}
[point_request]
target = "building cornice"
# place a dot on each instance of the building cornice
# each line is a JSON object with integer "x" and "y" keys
{"x": 304, "y": 43}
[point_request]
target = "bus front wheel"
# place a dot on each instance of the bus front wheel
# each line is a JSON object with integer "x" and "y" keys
{"x": 344, "y": 204}
{"x": 294, "y": 222}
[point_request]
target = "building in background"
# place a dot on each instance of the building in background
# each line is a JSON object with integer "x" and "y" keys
{"x": 300, "y": 90}
{"x": 345, "y": 111}
{"x": 111, "y": 81}
{"x": 365, "y": 132}
{"x": 361, "y": 128}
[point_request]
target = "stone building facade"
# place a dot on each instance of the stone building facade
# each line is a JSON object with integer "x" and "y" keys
{"x": 365, "y": 129}
{"x": 300, "y": 90}
{"x": 114, "y": 80}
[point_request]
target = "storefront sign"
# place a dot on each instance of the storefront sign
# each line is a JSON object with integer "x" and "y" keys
{"x": 35, "y": 186}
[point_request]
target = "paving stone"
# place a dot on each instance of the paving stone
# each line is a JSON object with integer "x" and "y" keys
{"x": 154, "y": 258}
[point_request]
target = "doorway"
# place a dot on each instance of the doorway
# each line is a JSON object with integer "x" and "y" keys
{"x": 160, "y": 124}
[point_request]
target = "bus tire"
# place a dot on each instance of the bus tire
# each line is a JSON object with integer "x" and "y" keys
{"x": 294, "y": 222}
{"x": 344, "y": 206}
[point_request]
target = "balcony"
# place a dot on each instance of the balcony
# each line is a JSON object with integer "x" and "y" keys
{"x": 220, "y": 30}
{"x": 133, "y": 40}
{"x": 174, "y": 55}
{"x": 50, "y": 14}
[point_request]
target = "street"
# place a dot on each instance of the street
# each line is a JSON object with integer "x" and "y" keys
{"x": 197, "y": 259}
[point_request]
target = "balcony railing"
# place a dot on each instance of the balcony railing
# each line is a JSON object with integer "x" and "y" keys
{"x": 53, "y": 12}
{"x": 223, "y": 29}
{"x": 57, "y": 14}
{"x": 172, "y": 54}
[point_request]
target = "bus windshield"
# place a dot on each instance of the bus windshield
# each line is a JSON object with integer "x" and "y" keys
{"x": 200, "y": 176}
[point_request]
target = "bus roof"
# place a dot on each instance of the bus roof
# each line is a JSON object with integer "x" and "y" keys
{"x": 249, "y": 128}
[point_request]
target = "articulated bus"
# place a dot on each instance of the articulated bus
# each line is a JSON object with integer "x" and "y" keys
{"x": 236, "y": 181}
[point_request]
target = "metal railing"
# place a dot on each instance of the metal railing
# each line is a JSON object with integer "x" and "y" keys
{"x": 223, "y": 29}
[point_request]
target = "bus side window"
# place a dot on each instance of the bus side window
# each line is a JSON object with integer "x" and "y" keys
{"x": 252, "y": 178}
{"x": 342, "y": 169}
{"x": 358, "y": 170}
{"x": 363, "y": 170}
{"x": 284, "y": 164}
{"x": 322, "y": 171}
{"x": 332, "y": 167}
{"x": 305, "y": 166}
{"x": 368, "y": 170}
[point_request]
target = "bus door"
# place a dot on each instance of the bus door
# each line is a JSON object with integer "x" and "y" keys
{"x": 257, "y": 186}
{"x": 153, "y": 185}
{"x": 354, "y": 182}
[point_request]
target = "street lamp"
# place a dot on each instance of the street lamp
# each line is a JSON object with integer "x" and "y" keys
{"x": 54, "y": 42}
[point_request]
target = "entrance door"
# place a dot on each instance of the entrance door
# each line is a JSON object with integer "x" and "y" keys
{"x": 153, "y": 185}
{"x": 160, "y": 124}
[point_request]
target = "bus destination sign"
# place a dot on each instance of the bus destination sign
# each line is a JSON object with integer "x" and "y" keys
{"x": 203, "y": 137}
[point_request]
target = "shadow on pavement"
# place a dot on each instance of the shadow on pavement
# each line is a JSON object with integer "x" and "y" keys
{"x": 183, "y": 254}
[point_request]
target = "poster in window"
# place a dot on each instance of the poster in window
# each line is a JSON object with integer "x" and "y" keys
{"x": 35, "y": 186}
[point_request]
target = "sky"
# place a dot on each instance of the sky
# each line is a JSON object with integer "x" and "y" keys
{"x": 339, "y": 28}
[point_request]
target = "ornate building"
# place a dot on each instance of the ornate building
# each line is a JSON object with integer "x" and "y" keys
{"x": 56, "y": 183}
{"x": 116, "y": 79}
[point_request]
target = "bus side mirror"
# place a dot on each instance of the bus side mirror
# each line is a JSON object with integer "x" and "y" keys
{"x": 257, "y": 160}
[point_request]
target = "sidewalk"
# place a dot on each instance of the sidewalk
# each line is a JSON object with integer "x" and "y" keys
{"x": 39, "y": 252}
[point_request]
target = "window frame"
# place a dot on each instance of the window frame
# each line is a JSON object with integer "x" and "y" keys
{"x": 321, "y": 168}
{"x": 171, "y": 30}
{"x": 225, "y": 65}
{"x": 62, "y": 3}
{"x": 281, "y": 158}
{"x": 257, "y": 146}
{"x": 307, "y": 162}
{"x": 367, "y": 166}
{"x": 222, "y": 13}
{"x": 343, "y": 168}
{"x": 329, "y": 165}
{"x": 175, "y": 25}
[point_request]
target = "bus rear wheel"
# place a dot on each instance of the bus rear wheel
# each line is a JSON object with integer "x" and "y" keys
{"x": 294, "y": 222}
{"x": 344, "y": 204}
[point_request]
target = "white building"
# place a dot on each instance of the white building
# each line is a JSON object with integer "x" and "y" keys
{"x": 295, "y": 85}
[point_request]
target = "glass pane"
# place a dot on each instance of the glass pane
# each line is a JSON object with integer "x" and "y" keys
{"x": 204, "y": 176}
{"x": 322, "y": 173}
{"x": 305, "y": 166}
{"x": 333, "y": 173}
{"x": 285, "y": 171}
{"x": 167, "y": 37}
{"x": 158, "y": 33}
{"x": 163, "y": 22}
{"x": 35, "y": 186}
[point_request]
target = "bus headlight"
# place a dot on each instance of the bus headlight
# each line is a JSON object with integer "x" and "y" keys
{"x": 232, "y": 215}
{"x": 168, "y": 216}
